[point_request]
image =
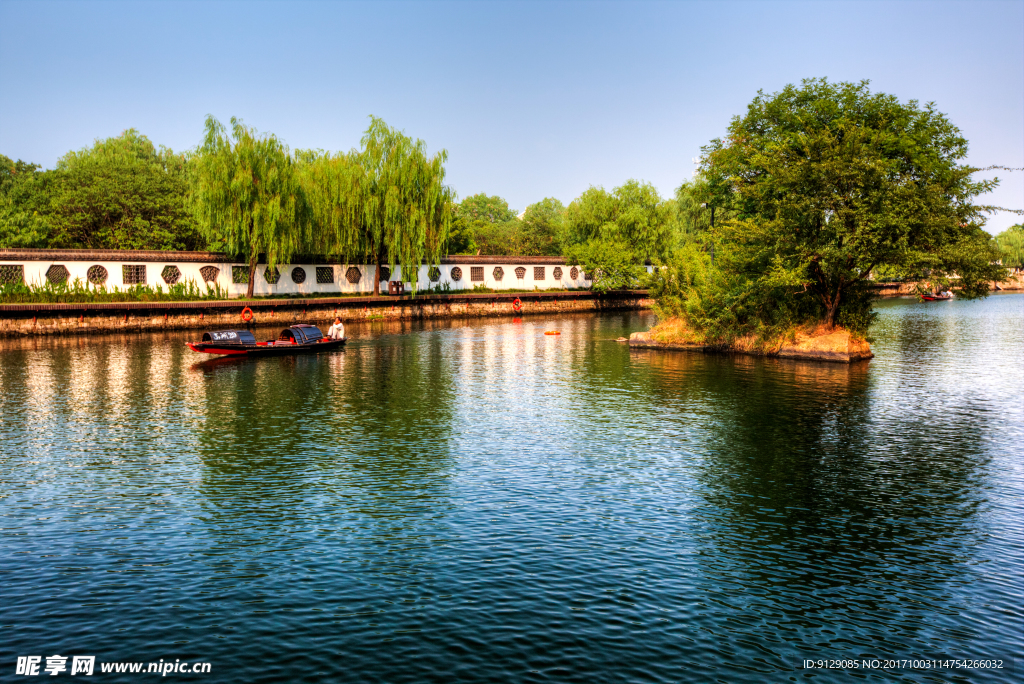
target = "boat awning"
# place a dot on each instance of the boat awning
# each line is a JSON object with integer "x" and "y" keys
{"x": 230, "y": 337}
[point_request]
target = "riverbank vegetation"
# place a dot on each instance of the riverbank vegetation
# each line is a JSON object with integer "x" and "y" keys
{"x": 79, "y": 292}
{"x": 813, "y": 192}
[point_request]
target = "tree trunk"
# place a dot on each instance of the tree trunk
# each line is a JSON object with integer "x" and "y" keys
{"x": 376, "y": 278}
{"x": 252, "y": 278}
{"x": 833, "y": 309}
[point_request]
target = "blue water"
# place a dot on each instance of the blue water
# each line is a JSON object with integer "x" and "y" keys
{"x": 476, "y": 501}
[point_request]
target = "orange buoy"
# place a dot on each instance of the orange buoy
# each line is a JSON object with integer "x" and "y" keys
{"x": 517, "y": 305}
{"x": 246, "y": 314}
{"x": 552, "y": 332}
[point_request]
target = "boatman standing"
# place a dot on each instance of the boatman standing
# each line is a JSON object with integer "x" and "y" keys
{"x": 336, "y": 331}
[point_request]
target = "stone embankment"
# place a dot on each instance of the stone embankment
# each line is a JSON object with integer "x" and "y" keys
{"x": 836, "y": 346}
{"x": 17, "y": 320}
{"x": 1015, "y": 283}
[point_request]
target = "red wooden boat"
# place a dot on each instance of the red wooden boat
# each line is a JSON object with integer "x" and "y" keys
{"x": 936, "y": 297}
{"x": 293, "y": 340}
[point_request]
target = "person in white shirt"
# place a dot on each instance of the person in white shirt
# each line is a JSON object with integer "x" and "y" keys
{"x": 336, "y": 331}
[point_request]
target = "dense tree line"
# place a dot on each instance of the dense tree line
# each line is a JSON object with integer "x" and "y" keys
{"x": 249, "y": 195}
{"x": 811, "y": 193}
{"x": 121, "y": 193}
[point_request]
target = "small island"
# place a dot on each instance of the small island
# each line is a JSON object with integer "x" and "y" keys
{"x": 821, "y": 190}
{"x": 820, "y": 343}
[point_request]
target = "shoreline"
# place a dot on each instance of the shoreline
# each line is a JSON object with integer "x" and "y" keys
{"x": 27, "y": 320}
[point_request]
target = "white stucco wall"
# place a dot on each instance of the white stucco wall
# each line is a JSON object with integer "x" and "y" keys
{"x": 35, "y": 274}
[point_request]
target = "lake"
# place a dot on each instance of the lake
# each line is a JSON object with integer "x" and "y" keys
{"x": 476, "y": 501}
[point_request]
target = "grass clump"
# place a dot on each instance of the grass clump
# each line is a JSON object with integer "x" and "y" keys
{"x": 78, "y": 291}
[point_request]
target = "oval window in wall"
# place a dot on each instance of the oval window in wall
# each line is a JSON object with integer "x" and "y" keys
{"x": 298, "y": 275}
{"x": 456, "y": 274}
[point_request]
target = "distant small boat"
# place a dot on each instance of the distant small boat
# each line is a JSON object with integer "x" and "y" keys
{"x": 293, "y": 340}
{"x": 937, "y": 297}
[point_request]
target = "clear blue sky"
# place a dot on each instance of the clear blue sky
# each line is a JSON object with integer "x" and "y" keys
{"x": 531, "y": 99}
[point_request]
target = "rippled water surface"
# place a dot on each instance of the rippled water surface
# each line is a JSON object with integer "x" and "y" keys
{"x": 480, "y": 502}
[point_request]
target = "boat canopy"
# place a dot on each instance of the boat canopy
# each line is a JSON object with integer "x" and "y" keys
{"x": 310, "y": 332}
{"x": 301, "y": 333}
{"x": 230, "y": 337}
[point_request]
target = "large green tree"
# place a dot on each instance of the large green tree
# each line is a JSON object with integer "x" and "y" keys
{"x": 386, "y": 202}
{"x": 612, "y": 234}
{"x": 827, "y": 182}
{"x": 407, "y": 208}
{"x": 482, "y": 224}
{"x": 122, "y": 193}
{"x": 332, "y": 193}
{"x": 246, "y": 194}
{"x": 539, "y": 231}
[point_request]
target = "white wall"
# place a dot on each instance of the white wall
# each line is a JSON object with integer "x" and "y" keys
{"x": 35, "y": 274}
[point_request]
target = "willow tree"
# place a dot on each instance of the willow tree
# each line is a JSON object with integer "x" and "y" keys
{"x": 245, "y": 194}
{"x": 406, "y": 207}
{"x": 384, "y": 203}
{"x": 332, "y": 191}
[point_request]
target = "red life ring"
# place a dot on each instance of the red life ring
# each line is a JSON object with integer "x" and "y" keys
{"x": 246, "y": 314}
{"x": 517, "y": 305}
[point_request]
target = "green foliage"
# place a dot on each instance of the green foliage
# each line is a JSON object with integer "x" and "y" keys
{"x": 1011, "y": 246}
{"x": 386, "y": 203}
{"x": 828, "y": 182}
{"x": 79, "y": 292}
{"x": 332, "y": 186}
{"x": 613, "y": 234}
{"x": 407, "y": 208}
{"x": 538, "y": 233}
{"x": 24, "y": 204}
{"x": 692, "y": 215}
{"x": 695, "y": 213}
{"x": 482, "y": 224}
{"x": 887, "y": 273}
{"x": 122, "y": 193}
{"x": 611, "y": 264}
{"x": 245, "y": 194}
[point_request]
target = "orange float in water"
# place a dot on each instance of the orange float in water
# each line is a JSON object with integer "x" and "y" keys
{"x": 552, "y": 332}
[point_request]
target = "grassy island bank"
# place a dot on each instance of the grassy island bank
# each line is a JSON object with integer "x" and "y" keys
{"x": 816, "y": 343}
